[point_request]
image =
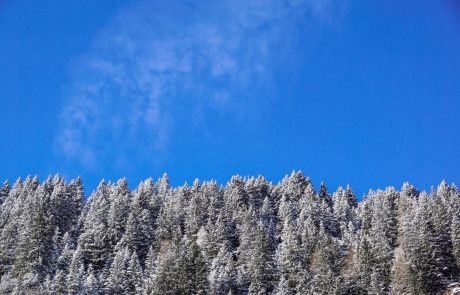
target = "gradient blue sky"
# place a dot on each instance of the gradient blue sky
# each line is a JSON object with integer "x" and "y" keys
{"x": 364, "y": 93}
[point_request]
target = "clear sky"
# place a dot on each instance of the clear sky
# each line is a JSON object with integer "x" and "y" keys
{"x": 365, "y": 93}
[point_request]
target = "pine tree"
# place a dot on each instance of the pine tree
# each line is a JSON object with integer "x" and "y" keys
{"x": 34, "y": 248}
{"x": 192, "y": 271}
{"x": 164, "y": 279}
{"x": 400, "y": 273}
{"x": 4, "y": 192}
{"x": 214, "y": 200}
{"x": 326, "y": 265}
{"x": 262, "y": 264}
{"x": 222, "y": 275}
{"x": 181, "y": 269}
{"x": 120, "y": 203}
{"x": 323, "y": 194}
{"x": 257, "y": 190}
{"x": 194, "y": 218}
{"x": 288, "y": 258}
{"x": 77, "y": 195}
{"x": 268, "y": 222}
{"x": 365, "y": 262}
{"x": 423, "y": 249}
{"x": 294, "y": 186}
{"x": 442, "y": 219}
{"x": 163, "y": 187}
{"x": 59, "y": 283}
{"x": 455, "y": 237}
{"x": 11, "y": 221}
{"x": 150, "y": 270}
{"x": 246, "y": 250}
{"x": 382, "y": 236}
{"x": 133, "y": 237}
{"x": 7, "y": 283}
{"x": 141, "y": 225}
{"x": 65, "y": 255}
{"x": 344, "y": 204}
{"x": 96, "y": 240}
{"x": 91, "y": 285}
{"x": 235, "y": 196}
{"x": 76, "y": 272}
{"x": 125, "y": 275}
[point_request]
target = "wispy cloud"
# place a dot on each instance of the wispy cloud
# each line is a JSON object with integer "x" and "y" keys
{"x": 161, "y": 59}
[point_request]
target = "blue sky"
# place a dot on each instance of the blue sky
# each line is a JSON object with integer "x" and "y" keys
{"x": 364, "y": 93}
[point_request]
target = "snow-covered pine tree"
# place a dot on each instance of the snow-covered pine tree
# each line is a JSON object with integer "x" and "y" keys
{"x": 120, "y": 207}
{"x": 10, "y": 221}
{"x": 125, "y": 276}
{"x": 262, "y": 268}
{"x": 192, "y": 273}
{"x": 34, "y": 249}
{"x": 76, "y": 273}
{"x": 442, "y": 211}
{"x": 326, "y": 264}
{"x": 180, "y": 269}
{"x": 289, "y": 259}
{"x": 4, "y": 192}
{"x": 91, "y": 284}
{"x": 96, "y": 238}
{"x": 382, "y": 237}
{"x": 222, "y": 274}
{"x": 344, "y": 210}
{"x": 422, "y": 248}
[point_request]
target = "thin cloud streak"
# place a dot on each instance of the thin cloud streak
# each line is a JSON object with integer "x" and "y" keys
{"x": 161, "y": 60}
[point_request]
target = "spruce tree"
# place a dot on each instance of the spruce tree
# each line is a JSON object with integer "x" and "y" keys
{"x": 125, "y": 277}
{"x": 92, "y": 285}
{"x": 326, "y": 265}
{"x": 34, "y": 248}
{"x": 96, "y": 239}
{"x": 288, "y": 258}
{"x": 4, "y": 192}
{"x": 222, "y": 274}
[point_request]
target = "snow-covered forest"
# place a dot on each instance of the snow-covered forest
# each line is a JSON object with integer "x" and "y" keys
{"x": 247, "y": 237}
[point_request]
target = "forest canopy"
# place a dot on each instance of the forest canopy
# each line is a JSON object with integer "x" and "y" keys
{"x": 248, "y": 237}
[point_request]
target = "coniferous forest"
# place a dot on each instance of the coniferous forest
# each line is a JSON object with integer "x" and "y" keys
{"x": 247, "y": 237}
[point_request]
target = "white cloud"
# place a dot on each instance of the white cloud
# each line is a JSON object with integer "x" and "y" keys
{"x": 158, "y": 55}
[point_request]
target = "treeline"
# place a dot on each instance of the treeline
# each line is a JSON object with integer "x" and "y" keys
{"x": 248, "y": 237}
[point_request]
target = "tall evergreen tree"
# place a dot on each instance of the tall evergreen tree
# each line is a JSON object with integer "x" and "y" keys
{"x": 4, "y": 192}
{"x": 92, "y": 285}
{"x": 34, "y": 249}
{"x": 125, "y": 277}
{"x": 96, "y": 239}
{"x": 326, "y": 265}
{"x": 289, "y": 259}
{"x": 222, "y": 275}
{"x": 423, "y": 249}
